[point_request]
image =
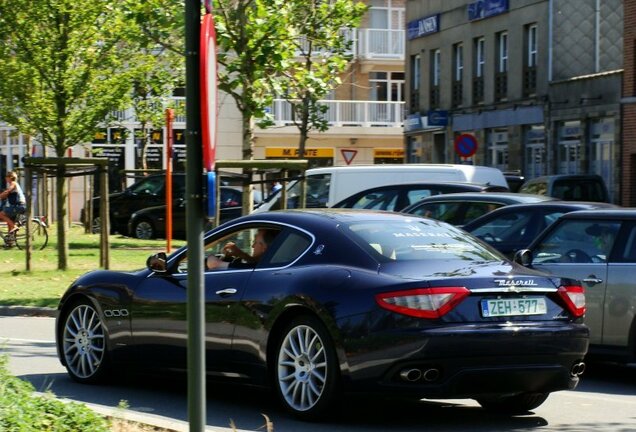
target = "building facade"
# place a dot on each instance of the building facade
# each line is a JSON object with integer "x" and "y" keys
{"x": 537, "y": 83}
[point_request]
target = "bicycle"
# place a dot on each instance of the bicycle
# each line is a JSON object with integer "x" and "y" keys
{"x": 38, "y": 230}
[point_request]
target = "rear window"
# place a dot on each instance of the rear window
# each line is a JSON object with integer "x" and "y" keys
{"x": 579, "y": 190}
{"x": 411, "y": 240}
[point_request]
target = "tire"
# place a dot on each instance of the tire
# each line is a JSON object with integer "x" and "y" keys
{"x": 518, "y": 404}
{"x": 83, "y": 342}
{"x": 306, "y": 373}
{"x": 39, "y": 236}
{"x": 144, "y": 230}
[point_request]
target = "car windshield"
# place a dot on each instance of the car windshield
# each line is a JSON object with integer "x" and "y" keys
{"x": 411, "y": 240}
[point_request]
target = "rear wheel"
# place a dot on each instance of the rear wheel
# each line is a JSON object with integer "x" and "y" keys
{"x": 143, "y": 230}
{"x": 306, "y": 368}
{"x": 38, "y": 232}
{"x": 517, "y": 404}
{"x": 83, "y": 342}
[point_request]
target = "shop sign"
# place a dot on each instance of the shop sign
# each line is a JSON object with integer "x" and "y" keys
{"x": 438, "y": 118}
{"x": 393, "y": 153}
{"x": 481, "y": 9}
{"x": 289, "y": 152}
{"x": 423, "y": 27}
{"x": 413, "y": 122}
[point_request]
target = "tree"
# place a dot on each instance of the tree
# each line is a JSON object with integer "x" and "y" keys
{"x": 319, "y": 32}
{"x": 64, "y": 70}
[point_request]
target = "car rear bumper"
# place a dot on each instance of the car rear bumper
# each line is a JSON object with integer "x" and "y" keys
{"x": 471, "y": 361}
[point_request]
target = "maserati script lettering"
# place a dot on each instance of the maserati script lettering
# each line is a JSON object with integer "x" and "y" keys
{"x": 513, "y": 282}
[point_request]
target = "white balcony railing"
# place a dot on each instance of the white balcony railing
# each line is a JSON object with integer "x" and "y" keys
{"x": 177, "y": 103}
{"x": 381, "y": 44}
{"x": 347, "y": 113}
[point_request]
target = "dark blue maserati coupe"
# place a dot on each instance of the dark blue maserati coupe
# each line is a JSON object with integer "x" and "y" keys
{"x": 334, "y": 301}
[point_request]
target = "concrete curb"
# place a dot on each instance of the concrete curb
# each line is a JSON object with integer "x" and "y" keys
{"x": 27, "y": 311}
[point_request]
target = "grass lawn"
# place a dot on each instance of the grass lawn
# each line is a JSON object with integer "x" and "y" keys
{"x": 44, "y": 284}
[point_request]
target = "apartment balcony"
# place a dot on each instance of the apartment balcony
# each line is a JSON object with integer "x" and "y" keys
{"x": 381, "y": 44}
{"x": 345, "y": 113}
{"x": 176, "y": 103}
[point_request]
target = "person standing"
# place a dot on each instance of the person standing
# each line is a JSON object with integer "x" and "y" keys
{"x": 15, "y": 202}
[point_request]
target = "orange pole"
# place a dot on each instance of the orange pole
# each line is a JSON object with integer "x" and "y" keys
{"x": 169, "y": 120}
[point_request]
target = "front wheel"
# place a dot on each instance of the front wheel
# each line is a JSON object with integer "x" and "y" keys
{"x": 83, "y": 341}
{"x": 38, "y": 233}
{"x": 307, "y": 373}
{"x": 517, "y": 404}
{"x": 143, "y": 230}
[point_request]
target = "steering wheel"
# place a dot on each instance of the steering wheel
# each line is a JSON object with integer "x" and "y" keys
{"x": 577, "y": 256}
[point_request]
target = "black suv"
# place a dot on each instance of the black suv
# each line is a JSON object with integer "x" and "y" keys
{"x": 569, "y": 187}
{"x": 150, "y": 191}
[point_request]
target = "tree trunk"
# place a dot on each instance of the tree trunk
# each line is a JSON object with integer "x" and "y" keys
{"x": 61, "y": 193}
{"x": 248, "y": 154}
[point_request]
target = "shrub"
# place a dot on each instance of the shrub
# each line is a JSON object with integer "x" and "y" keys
{"x": 24, "y": 411}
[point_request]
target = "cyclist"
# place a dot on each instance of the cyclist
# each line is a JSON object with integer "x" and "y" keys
{"x": 15, "y": 202}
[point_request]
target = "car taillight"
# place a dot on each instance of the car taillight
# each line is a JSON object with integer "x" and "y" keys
{"x": 423, "y": 302}
{"x": 574, "y": 298}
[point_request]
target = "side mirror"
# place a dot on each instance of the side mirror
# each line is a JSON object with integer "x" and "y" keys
{"x": 158, "y": 262}
{"x": 523, "y": 257}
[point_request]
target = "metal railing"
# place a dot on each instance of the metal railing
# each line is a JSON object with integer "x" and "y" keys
{"x": 347, "y": 113}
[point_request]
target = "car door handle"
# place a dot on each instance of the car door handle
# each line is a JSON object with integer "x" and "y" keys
{"x": 226, "y": 292}
{"x": 592, "y": 280}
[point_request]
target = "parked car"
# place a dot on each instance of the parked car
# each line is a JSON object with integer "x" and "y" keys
{"x": 514, "y": 227}
{"x": 569, "y": 187}
{"x": 340, "y": 301}
{"x": 327, "y": 186}
{"x": 597, "y": 247}
{"x": 460, "y": 208}
{"x": 514, "y": 179}
{"x": 149, "y": 223}
{"x": 150, "y": 191}
{"x": 395, "y": 197}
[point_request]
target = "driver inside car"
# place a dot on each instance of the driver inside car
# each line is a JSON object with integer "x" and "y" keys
{"x": 235, "y": 258}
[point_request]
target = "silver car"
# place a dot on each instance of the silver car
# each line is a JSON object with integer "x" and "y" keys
{"x": 597, "y": 247}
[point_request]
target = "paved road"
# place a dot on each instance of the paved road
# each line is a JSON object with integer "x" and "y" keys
{"x": 605, "y": 401}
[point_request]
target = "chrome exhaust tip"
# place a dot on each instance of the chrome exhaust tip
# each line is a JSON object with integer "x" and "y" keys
{"x": 411, "y": 375}
{"x": 431, "y": 375}
{"x": 577, "y": 369}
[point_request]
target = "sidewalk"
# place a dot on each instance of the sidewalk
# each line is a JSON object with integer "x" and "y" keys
{"x": 162, "y": 423}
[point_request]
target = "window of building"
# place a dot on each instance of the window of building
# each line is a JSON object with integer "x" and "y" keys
{"x": 530, "y": 66}
{"x": 478, "y": 75}
{"x": 385, "y": 14}
{"x": 436, "y": 60}
{"x": 501, "y": 74}
{"x": 458, "y": 73}
{"x": 416, "y": 76}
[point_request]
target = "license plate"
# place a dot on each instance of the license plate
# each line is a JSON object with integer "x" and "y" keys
{"x": 513, "y": 307}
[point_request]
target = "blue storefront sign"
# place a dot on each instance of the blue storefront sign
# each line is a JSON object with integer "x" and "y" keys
{"x": 413, "y": 122}
{"x": 438, "y": 118}
{"x": 423, "y": 27}
{"x": 486, "y": 8}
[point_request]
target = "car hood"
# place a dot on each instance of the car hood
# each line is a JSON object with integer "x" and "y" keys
{"x": 489, "y": 272}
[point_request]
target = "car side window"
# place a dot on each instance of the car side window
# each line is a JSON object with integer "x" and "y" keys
{"x": 149, "y": 186}
{"x": 505, "y": 227}
{"x": 476, "y": 209}
{"x": 578, "y": 241}
{"x": 414, "y": 196}
{"x": 290, "y": 248}
{"x": 382, "y": 200}
{"x": 444, "y": 211}
{"x": 627, "y": 251}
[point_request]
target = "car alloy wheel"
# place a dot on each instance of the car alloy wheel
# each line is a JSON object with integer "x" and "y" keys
{"x": 84, "y": 343}
{"x": 144, "y": 230}
{"x": 307, "y": 373}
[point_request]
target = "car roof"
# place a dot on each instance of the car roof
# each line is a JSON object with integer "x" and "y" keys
{"x": 475, "y": 186}
{"x": 564, "y": 176}
{"x": 570, "y": 206}
{"x": 609, "y": 213}
{"x": 488, "y": 196}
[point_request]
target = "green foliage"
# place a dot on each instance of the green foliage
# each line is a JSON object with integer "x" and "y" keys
{"x": 319, "y": 33}
{"x": 64, "y": 67}
{"x": 22, "y": 410}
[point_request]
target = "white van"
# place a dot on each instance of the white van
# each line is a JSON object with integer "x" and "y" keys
{"x": 329, "y": 185}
